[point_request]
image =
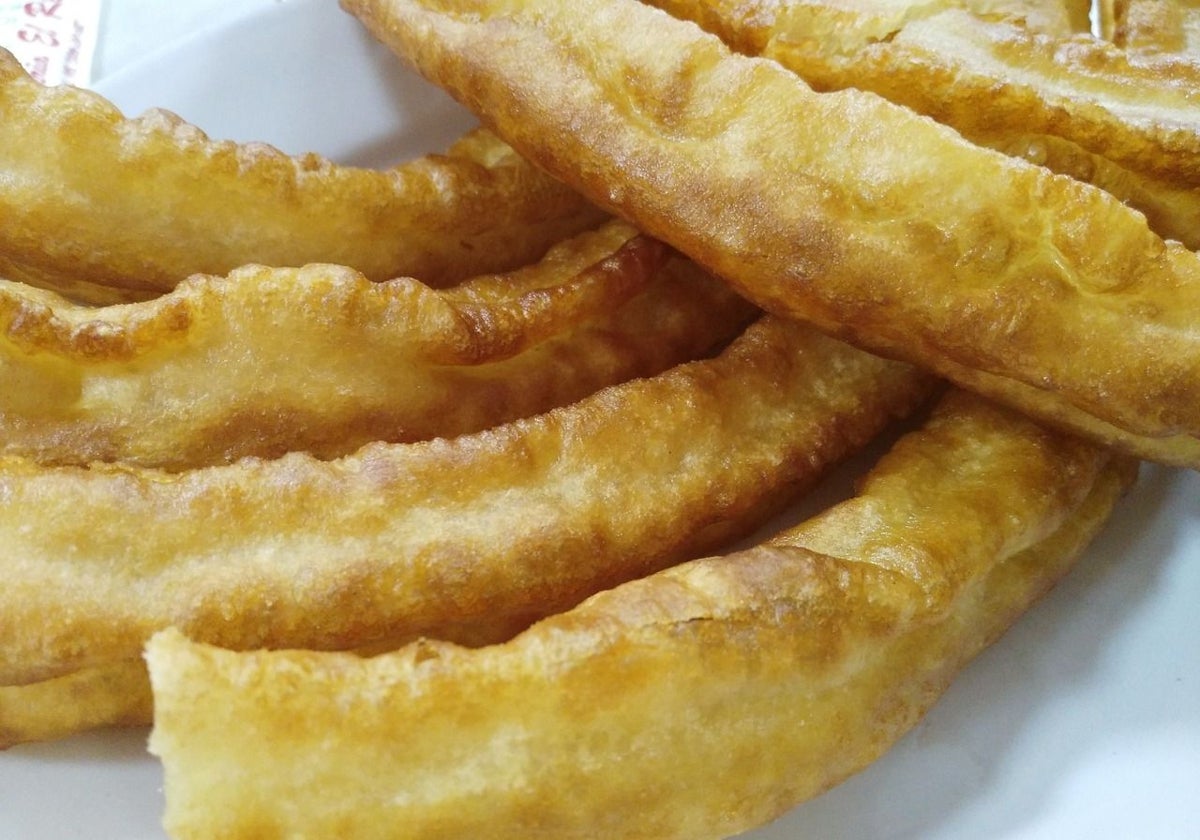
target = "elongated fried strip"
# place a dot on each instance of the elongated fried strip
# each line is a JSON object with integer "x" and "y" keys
{"x": 111, "y": 695}
{"x": 1155, "y": 26}
{"x": 986, "y": 75}
{"x": 1053, "y": 17}
{"x": 839, "y": 209}
{"x": 830, "y": 44}
{"x": 118, "y": 695}
{"x": 92, "y": 197}
{"x": 748, "y": 26}
{"x": 320, "y": 359}
{"x": 1087, "y": 95}
{"x": 400, "y": 539}
{"x": 695, "y": 703}
{"x": 1177, "y": 450}
{"x": 1172, "y": 212}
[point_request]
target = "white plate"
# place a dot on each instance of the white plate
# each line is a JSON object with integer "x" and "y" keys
{"x": 1082, "y": 722}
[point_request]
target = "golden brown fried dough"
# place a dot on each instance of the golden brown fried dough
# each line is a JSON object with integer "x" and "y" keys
{"x": 991, "y": 78}
{"x": 1171, "y": 211}
{"x": 749, "y": 25}
{"x": 92, "y": 198}
{"x": 839, "y": 209}
{"x": 517, "y": 521}
{"x": 942, "y": 60}
{"x": 110, "y": 695}
{"x": 1155, "y": 25}
{"x": 268, "y": 360}
{"x": 118, "y": 695}
{"x": 695, "y": 703}
{"x": 1053, "y": 17}
{"x": 851, "y": 44}
{"x": 1057, "y": 18}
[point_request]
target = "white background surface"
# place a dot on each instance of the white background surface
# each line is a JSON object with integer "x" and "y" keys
{"x": 129, "y": 29}
{"x": 1083, "y": 722}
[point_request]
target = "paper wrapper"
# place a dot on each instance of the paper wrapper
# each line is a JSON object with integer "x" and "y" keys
{"x": 55, "y": 40}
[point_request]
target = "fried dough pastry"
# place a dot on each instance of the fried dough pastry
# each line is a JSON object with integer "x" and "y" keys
{"x": 118, "y": 695}
{"x": 401, "y": 539}
{"x": 839, "y": 209}
{"x": 894, "y": 49}
{"x": 1154, "y": 25}
{"x": 1053, "y": 17}
{"x": 110, "y": 695}
{"x": 320, "y": 359}
{"x": 695, "y": 703}
{"x": 748, "y": 25}
{"x": 91, "y": 199}
{"x": 1171, "y": 211}
{"x": 944, "y": 61}
{"x": 1069, "y": 96}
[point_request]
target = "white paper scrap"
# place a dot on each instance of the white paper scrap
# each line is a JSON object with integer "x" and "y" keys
{"x": 55, "y": 40}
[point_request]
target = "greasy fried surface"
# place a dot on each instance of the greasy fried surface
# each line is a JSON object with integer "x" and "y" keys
{"x": 92, "y": 197}
{"x": 1155, "y": 26}
{"x": 1176, "y": 450}
{"x": 1055, "y": 17}
{"x": 985, "y": 77}
{"x": 266, "y": 361}
{"x": 838, "y": 209}
{"x": 403, "y": 538}
{"x": 110, "y": 695}
{"x": 119, "y": 694}
{"x": 695, "y": 703}
{"x": 888, "y": 48}
{"x": 944, "y": 61}
{"x": 749, "y": 25}
{"x": 1172, "y": 211}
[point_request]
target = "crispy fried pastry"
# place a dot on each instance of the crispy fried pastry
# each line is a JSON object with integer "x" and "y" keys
{"x": 1154, "y": 25}
{"x": 92, "y": 199}
{"x": 1053, "y": 17}
{"x": 985, "y": 76}
{"x": 944, "y": 61}
{"x": 118, "y": 695}
{"x": 748, "y": 26}
{"x": 520, "y": 520}
{"x": 852, "y": 44}
{"x": 695, "y": 703}
{"x": 839, "y": 209}
{"x": 269, "y": 360}
{"x": 109, "y": 695}
{"x": 1171, "y": 211}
